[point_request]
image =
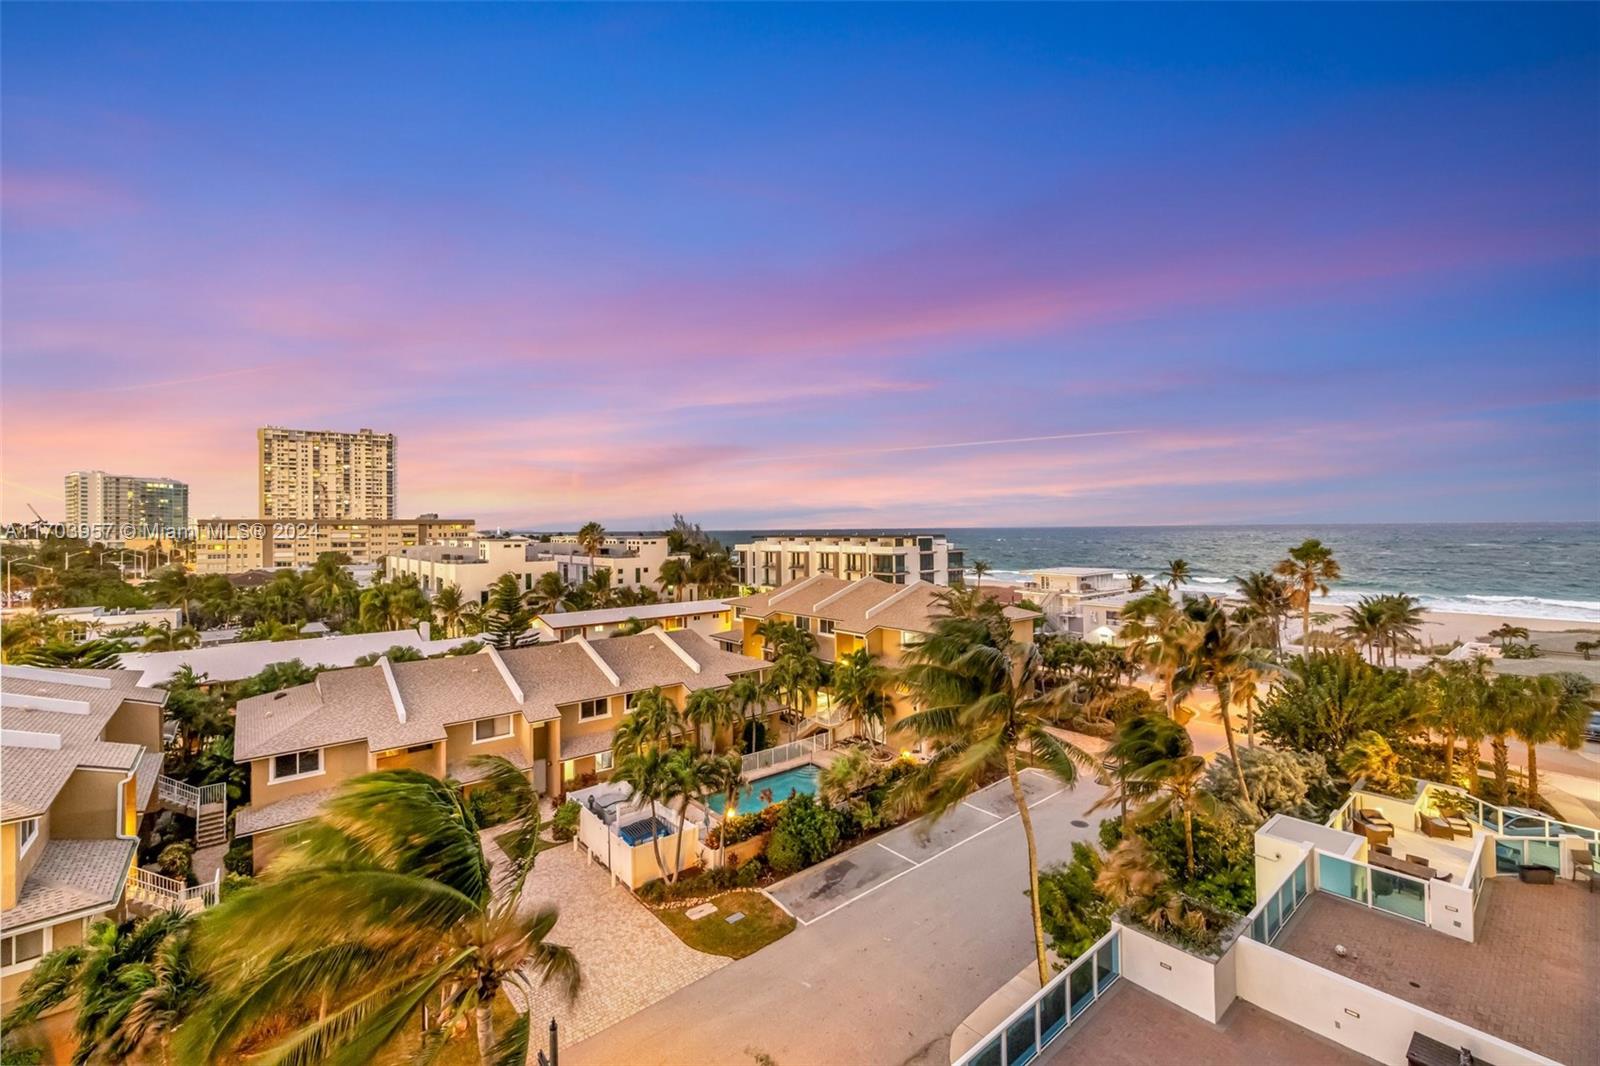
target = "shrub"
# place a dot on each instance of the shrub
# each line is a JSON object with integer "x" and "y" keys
{"x": 564, "y": 825}
{"x": 240, "y": 857}
{"x": 1287, "y": 782}
{"x": 1126, "y": 702}
{"x": 177, "y": 861}
{"x": 1075, "y": 914}
{"x": 736, "y": 828}
{"x": 1521, "y": 651}
{"x": 234, "y": 883}
{"x": 749, "y": 875}
{"x": 805, "y": 833}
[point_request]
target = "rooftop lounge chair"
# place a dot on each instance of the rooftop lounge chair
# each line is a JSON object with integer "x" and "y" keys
{"x": 1583, "y": 865}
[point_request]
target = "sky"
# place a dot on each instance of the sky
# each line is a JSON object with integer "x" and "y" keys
{"x": 813, "y": 266}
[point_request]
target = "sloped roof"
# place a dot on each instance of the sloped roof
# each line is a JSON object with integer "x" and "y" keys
{"x": 346, "y": 706}
{"x": 234, "y": 662}
{"x": 859, "y": 606}
{"x": 71, "y": 876}
{"x": 617, "y": 615}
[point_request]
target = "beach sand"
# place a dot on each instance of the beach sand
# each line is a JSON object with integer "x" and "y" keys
{"x": 1552, "y": 634}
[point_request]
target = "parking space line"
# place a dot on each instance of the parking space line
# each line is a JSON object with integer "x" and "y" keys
{"x": 782, "y": 908}
{"x": 916, "y": 866}
{"x": 980, "y": 810}
{"x": 896, "y": 854}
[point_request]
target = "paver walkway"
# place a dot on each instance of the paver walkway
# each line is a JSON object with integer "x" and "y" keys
{"x": 628, "y": 959}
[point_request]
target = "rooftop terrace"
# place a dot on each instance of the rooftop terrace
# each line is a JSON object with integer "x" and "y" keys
{"x": 1532, "y": 976}
{"x": 1131, "y": 1026}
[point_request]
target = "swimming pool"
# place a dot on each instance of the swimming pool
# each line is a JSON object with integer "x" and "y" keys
{"x": 639, "y": 832}
{"x": 802, "y": 779}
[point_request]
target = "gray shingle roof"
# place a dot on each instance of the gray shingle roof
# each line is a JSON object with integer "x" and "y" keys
{"x": 859, "y": 606}
{"x": 71, "y": 876}
{"x": 347, "y": 706}
{"x": 277, "y": 815}
{"x": 588, "y": 744}
{"x": 30, "y": 777}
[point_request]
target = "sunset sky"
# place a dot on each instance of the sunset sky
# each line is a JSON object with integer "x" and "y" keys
{"x": 814, "y": 266}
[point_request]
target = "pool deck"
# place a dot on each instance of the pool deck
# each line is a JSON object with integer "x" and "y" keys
{"x": 819, "y": 759}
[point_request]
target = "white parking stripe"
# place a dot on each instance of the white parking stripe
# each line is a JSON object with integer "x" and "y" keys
{"x": 980, "y": 810}
{"x": 916, "y": 866}
{"x": 782, "y": 908}
{"x": 896, "y": 854}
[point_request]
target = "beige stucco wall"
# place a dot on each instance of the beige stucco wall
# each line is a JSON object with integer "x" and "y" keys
{"x": 136, "y": 722}
{"x": 86, "y": 807}
{"x": 338, "y": 763}
{"x": 62, "y": 935}
{"x": 14, "y": 871}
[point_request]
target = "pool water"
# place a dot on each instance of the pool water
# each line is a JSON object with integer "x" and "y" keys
{"x": 802, "y": 779}
{"x": 640, "y": 832}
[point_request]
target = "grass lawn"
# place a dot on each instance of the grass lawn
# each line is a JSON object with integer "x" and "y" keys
{"x": 764, "y": 922}
{"x": 462, "y": 1048}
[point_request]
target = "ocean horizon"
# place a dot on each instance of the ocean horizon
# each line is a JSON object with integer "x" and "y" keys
{"x": 1526, "y": 569}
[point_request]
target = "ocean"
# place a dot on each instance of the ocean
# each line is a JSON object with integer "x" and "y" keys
{"x": 1534, "y": 570}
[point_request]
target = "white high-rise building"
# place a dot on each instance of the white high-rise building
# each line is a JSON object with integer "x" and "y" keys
{"x": 117, "y": 507}
{"x": 893, "y": 557}
{"x": 312, "y": 473}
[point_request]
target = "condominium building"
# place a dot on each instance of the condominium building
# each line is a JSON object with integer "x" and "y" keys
{"x": 112, "y": 508}
{"x": 474, "y": 564}
{"x": 1080, "y": 601}
{"x": 552, "y": 709}
{"x": 634, "y": 559}
{"x": 314, "y": 473}
{"x": 897, "y": 558}
{"x": 844, "y": 617}
{"x": 238, "y": 545}
{"x": 82, "y": 753}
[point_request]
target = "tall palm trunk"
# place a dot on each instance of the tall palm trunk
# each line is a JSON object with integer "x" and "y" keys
{"x": 677, "y": 847}
{"x": 655, "y": 844}
{"x": 1502, "y": 768}
{"x": 1305, "y": 628}
{"x": 1233, "y": 750}
{"x": 1033, "y": 866}
{"x": 1188, "y": 840}
{"x": 1533, "y": 774}
{"x": 1450, "y": 755}
{"x": 485, "y": 1020}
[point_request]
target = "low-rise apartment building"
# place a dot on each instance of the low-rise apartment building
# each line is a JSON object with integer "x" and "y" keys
{"x": 707, "y": 617}
{"x": 80, "y": 752}
{"x": 634, "y": 559}
{"x": 473, "y": 565}
{"x": 846, "y": 616}
{"x": 552, "y": 709}
{"x": 1079, "y": 601}
{"x": 779, "y": 559}
{"x": 239, "y": 545}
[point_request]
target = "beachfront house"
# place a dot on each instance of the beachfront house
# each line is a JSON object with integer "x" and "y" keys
{"x": 552, "y": 709}
{"x": 844, "y": 617}
{"x": 79, "y": 767}
{"x": 1080, "y": 601}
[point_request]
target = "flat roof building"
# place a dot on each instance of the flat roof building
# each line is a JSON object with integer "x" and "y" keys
{"x": 240, "y": 545}
{"x": 114, "y": 508}
{"x": 897, "y": 558}
{"x": 321, "y": 473}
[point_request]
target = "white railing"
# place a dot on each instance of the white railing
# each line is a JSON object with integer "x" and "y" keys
{"x": 770, "y": 757}
{"x": 191, "y": 797}
{"x": 159, "y": 890}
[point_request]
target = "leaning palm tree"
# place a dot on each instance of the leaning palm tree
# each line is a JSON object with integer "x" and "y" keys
{"x": 1367, "y": 624}
{"x": 980, "y": 706}
{"x": 1127, "y": 752}
{"x": 979, "y": 569}
{"x": 1167, "y": 765}
{"x": 1268, "y": 600}
{"x": 1508, "y": 632}
{"x": 1224, "y": 659}
{"x": 1137, "y": 582}
{"x": 1402, "y": 622}
{"x": 1175, "y": 573}
{"x": 384, "y": 906}
{"x": 1309, "y": 568}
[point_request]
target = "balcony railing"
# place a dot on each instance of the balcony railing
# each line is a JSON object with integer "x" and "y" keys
{"x": 191, "y": 797}
{"x": 1048, "y": 1012}
{"x": 770, "y": 757}
{"x": 159, "y": 890}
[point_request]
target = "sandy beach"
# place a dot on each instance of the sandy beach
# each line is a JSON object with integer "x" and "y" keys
{"x": 1443, "y": 628}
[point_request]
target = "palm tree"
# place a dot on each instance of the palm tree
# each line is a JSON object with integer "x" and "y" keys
{"x": 1586, "y": 648}
{"x": 1402, "y": 622}
{"x": 748, "y": 696}
{"x": 713, "y": 574}
{"x": 591, "y": 538}
{"x": 1137, "y": 582}
{"x": 1368, "y": 625}
{"x": 1548, "y": 716}
{"x": 651, "y": 721}
{"x": 673, "y": 576}
{"x": 328, "y": 585}
{"x": 1268, "y": 600}
{"x": 1170, "y": 652}
{"x": 1175, "y": 574}
{"x": 1165, "y": 763}
{"x": 1309, "y": 568}
{"x": 404, "y": 913}
{"x": 979, "y": 569}
{"x": 1370, "y": 755}
{"x": 1455, "y": 693}
{"x": 978, "y": 694}
{"x": 1507, "y": 633}
{"x": 164, "y": 638}
{"x": 858, "y": 687}
{"x": 1501, "y": 713}
{"x": 511, "y": 790}
{"x": 449, "y": 605}
{"x": 549, "y": 594}
{"x": 1128, "y": 751}
{"x": 133, "y": 982}
{"x": 1222, "y": 658}
{"x": 710, "y": 711}
{"x": 692, "y": 776}
{"x": 174, "y": 587}
{"x": 648, "y": 771}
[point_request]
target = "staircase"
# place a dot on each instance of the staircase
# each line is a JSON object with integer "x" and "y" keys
{"x": 208, "y": 804}
{"x": 157, "y": 892}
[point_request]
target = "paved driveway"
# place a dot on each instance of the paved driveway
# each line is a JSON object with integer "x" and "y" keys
{"x": 628, "y": 959}
{"x": 815, "y": 893}
{"x": 882, "y": 977}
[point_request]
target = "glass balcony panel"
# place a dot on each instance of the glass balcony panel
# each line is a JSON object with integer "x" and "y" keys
{"x": 989, "y": 1056}
{"x": 1507, "y": 856}
{"x": 1400, "y": 895}
{"x": 1081, "y": 986}
{"x": 1052, "y": 1012}
{"x": 1544, "y": 853}
{"x": 1274, "y": 918}
{"x": 1300, "y": 878}
{"x": 1020, "y": 1045}
{"x": 1107, "y": 965}
{"x": 1342, "y": 878}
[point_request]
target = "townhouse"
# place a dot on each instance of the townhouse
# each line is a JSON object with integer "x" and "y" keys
{"x": 80, "y": 754}
{"x": 846, "y": 616}
{"x": 552, "y": 709}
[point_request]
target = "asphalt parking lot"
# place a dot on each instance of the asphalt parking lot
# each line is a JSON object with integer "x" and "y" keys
{"x": 815, "y": 893}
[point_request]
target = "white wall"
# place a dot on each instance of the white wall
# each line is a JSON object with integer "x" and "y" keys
{"x": 1363, "y": 1019}
{"x": 1450, "y": 908}
{"x": 1174, "y": 974}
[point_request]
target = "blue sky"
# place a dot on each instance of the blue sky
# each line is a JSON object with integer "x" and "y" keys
{"x": 815, "y": 265}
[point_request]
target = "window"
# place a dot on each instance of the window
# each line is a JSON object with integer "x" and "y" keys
{"x": 824, "y": 625}
{"x": 296, "y": 764}
{"x": 828, "y": 562}
{"x": 591, "y": 709}
{"x": 27, "y": 833}
{"x": 909, "y": 639}
{"x": 24, "y": 947}
{"x": 491, "y": 728}
{"x": 802, "y": 623}
{"x": 602, "y": 761}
